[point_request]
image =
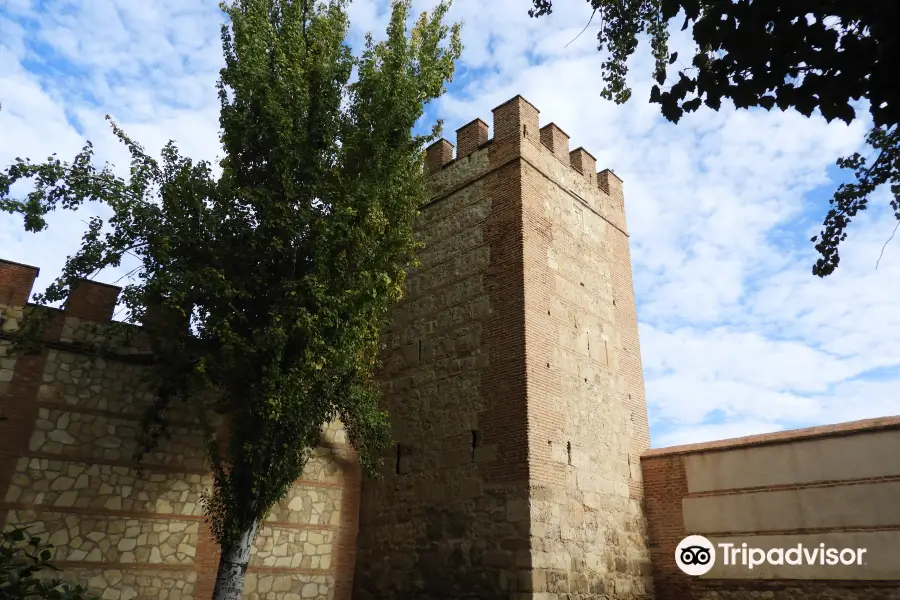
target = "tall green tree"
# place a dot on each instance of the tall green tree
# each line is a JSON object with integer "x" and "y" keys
{"x": 282, "y": 268}
{"x": 803, "y": 54}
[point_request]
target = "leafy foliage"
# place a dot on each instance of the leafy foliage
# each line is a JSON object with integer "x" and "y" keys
{"x": 851, "y": 198}
{"x": 22, "y": 557}
{"x": 264, "y": 288}
{"x": 806, "y": 54}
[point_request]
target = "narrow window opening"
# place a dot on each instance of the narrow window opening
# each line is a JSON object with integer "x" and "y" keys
{"x": 397, "y": 465}
{"x": 474, "y": 443}
{"x": 569, "y": 452}
{"x": 420, "y": 349}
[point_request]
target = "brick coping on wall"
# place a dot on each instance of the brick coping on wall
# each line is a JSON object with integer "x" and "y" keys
{"x": 780, "y": 437}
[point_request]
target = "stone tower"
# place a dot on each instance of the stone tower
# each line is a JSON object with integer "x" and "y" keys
{"x": 514, "y": 383}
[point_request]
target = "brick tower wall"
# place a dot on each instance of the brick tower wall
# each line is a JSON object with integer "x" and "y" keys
{"x": 449, "y": 517}
{"x": 514, "y": 383}
{"x": 587, "y": 415}
{"x": 66, "y": 468}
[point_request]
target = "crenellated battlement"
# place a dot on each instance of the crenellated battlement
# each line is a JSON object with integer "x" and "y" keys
{"x": 89, "y": 300}
{"x": 85, "y": 318}
{"x": 16, "y": 281}
{"x": 89, "y": 307}
{"x": 518, "y": 133}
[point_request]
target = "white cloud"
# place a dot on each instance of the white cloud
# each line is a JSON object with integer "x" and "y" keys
{"x": 738, "y": 337}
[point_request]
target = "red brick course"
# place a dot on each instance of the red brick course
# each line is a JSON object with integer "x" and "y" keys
{"x": 16, "y": 281}
{"x": 206, "y": 562}
{"x": 546, "y": 419}
{"x": 92, "y": 301}
{"x": 437, "y": 155}
{"x": 19, "y": 407}
{"x": 470, "y": 137}
{"x": 557, "y": 141}
{"x": 665, "y": 484}
{"x": 18, "y": 404}
{"x": 504, "y": 381}
{"x": 343, "y": 551}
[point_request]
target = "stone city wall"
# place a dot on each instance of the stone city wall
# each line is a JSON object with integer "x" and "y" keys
{"x": 512, "y": 377}
{"x": 837, "y": 485}
{"x": 66, "y": 468}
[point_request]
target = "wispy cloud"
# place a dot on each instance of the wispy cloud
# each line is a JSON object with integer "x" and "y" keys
{"x": 737, "y": 336}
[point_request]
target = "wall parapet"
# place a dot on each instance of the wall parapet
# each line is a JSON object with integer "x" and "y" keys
{"x": 88, "y": 300}
{"x": 779, "y": 437}
{"x": 517, "y": 116}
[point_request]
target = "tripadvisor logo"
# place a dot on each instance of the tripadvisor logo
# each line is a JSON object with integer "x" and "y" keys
{"x": 695, "y": 555}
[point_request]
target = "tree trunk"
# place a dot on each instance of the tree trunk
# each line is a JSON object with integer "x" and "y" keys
{"x": 233, "y": 566}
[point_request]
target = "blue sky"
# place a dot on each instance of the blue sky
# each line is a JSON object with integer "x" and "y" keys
{"x": 737, "y": 336}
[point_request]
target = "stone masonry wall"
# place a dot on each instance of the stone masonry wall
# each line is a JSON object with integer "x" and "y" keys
{"x": 66, "y": 469}
{"x": 437, "y": 525}
{"x": 587, "y": 416}
{"x": 513, "y": 382}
